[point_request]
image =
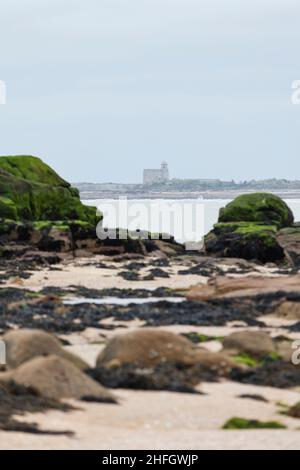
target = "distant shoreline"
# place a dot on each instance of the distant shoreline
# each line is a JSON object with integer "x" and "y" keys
{"x": 228, "y": 194}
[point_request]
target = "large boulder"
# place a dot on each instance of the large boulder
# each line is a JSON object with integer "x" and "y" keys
{"x": 30, "y": 190}
{"x": 24, "y": 345}
{"x": 54, "y": 377}
{"x": 247, "y": 240}
{"x": 248, "y": 227}
{"x": 146, "y": 348}
{"x": 262, "y": 208}
{"x": 159, "y": 360}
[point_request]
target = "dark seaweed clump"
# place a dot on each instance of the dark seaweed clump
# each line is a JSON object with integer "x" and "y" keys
{"x": 46, "y": 310}
{"x": 17, "y": 400}
{"x": 278, "y": 374}
{"x": 36, "y": 310}
{"x": 170, "y": 377}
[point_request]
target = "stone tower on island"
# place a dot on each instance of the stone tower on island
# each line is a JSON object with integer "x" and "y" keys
{"x": 157, "y": 175}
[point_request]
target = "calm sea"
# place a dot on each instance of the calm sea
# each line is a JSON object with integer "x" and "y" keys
{"x": 209, "y": 207}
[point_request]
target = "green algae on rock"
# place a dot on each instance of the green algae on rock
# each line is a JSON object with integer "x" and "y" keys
{"x": 8, "y": 209}
{"x": 242, "y": 423}
{"x": 31, "y": 168}
{"x": 247, "y": 228}
{"x": 263, "y": 208}
{"x": 248, "y": 240}
{"x": 31, "y": 191}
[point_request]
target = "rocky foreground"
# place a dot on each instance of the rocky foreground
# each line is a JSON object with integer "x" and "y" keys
{"x": 96, "y": 368}
{"x": 137, "y": 343}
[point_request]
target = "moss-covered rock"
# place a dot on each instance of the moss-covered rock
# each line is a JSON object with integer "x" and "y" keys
{"x": 248, "y": 228}
{"x": 247, "y": 240}
{"x": 31, "y": 191}
{"x": 263, "y": 208}
{"x": 8, "y": 209}
{"x": 32, "y": 169}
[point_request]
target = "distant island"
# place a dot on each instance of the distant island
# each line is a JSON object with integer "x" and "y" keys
{"x": 157, "y": 184}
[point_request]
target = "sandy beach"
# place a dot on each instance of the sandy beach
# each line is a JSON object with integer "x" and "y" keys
{"x": 155, "y": 419}
{"x": 162, "y": 420}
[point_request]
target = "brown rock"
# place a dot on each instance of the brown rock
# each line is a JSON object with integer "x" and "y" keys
{"x": 284, "y": 348}
{"x": 23, "y": 345}
{"x": 257, "y": 344}
{"x": 148, "y": 348}
{"x": 243, "y": 286}
{"x": 56, "y": 378}
{"x": 289, "y": 239}
{"x": 288, "y": 309}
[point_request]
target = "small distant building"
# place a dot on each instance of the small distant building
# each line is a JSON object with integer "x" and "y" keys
{"x": 160, "y": 175}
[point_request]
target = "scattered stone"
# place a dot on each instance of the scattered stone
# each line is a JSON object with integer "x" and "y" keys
{"x": 135, "y": 266}
{"x": 157, "y": 272}
{"x": 24, "y": 345}
{"x": 101, "y": 265}
{"x": 257, "y": 344}
{"x": 288, "y": 310}
{"x": 201, "y": 270}
{"x": 129, "y": 275}
{"x": 148, "y": 277}
{"x": 56, "y": 378}
{"x": 160, "y": 262}
{"x": 253, "y": 396}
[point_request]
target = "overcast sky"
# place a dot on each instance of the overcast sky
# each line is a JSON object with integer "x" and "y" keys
{"x": 103, "y": 88}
